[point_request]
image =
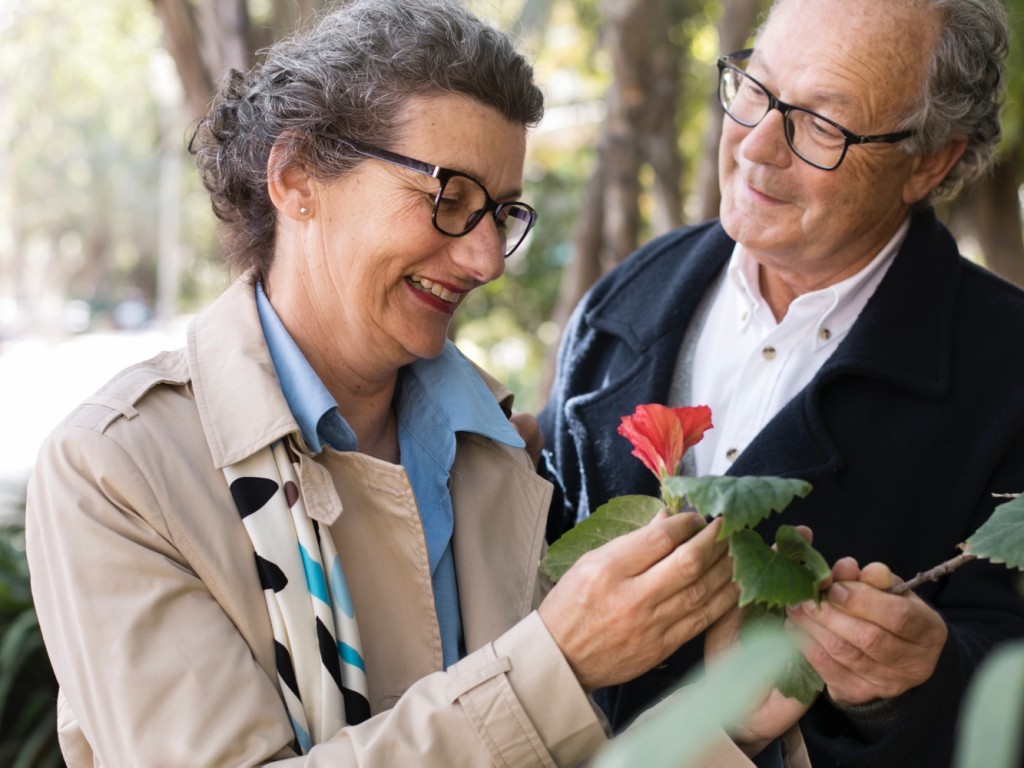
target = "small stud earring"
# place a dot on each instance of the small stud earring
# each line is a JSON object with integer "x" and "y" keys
{"x": 303, "y": 211}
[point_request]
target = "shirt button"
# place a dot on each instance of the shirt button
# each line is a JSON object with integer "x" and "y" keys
{"x": 731, "y": 454}
{"x": 824, "y": 334}
{"x": 768, "y": 353}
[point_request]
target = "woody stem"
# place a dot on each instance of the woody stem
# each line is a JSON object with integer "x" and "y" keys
{"x": 933, "y": 574}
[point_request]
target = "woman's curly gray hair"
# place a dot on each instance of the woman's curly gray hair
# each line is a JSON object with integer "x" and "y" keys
{"x": 350, "y": 74}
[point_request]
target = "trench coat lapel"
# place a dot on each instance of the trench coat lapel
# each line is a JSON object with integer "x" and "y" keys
{"x": 502, "y": 508}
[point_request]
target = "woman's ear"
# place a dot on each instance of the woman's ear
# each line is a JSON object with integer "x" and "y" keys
{"x": 289, "y": 186}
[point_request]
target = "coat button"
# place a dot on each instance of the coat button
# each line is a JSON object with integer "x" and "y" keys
{"x": 768, "y": 353}
{"x": 731, "y": 454}
{"x": 824, "y": 334}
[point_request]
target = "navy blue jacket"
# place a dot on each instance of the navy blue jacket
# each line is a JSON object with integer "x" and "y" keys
{"x": 905, "y": 432}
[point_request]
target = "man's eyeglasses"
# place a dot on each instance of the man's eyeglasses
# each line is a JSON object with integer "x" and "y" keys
{"x": 461, "y": 201}
{"x": 813, "y": 138}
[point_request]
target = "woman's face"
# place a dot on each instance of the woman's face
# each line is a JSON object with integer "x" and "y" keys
{"x": 364, "y": 277}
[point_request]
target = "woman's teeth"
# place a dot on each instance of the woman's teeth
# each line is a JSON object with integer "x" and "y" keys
{"x": 438, "y": 290}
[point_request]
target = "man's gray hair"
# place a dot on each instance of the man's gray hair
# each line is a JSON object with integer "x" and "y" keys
{"x": 963, "y": 88}
{"x": 349, "y": 75}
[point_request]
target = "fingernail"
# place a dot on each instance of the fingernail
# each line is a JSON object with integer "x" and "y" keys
{"x": 838, "y": 593}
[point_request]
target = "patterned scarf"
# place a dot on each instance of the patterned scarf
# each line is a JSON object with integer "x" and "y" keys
{"x": 316, "y": 638}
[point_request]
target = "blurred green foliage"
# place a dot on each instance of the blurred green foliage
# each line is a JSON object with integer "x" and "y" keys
{"x": 28, "y": 689}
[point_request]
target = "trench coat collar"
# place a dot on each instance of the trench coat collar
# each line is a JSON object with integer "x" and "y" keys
{"x": 237, "y": 391}
{"x": 239, "y": 398}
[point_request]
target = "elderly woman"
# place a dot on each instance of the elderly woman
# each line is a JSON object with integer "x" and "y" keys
{"x": 313, "y": 533}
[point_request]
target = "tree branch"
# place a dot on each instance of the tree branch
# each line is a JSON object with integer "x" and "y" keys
{"x": 933, "y": 574}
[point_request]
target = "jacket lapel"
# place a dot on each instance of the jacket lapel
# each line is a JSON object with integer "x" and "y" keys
{"x": 650, "y": 330}
{"x": 902, "y": 337}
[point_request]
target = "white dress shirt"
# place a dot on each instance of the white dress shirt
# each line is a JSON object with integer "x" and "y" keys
{"x": 747, "y": 366}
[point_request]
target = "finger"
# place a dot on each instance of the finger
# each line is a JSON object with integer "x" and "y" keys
{"x": 905, "y": 616}
{"x": 687, "y": 562}
{"x": 835, "y": 633}
{"x": 688, "y": 598}
{"x": 845, "y": 569}
{"x": 844, "y": 684}
{"x": 806, "y": 532}
{"x": 879, "y": 576}
{"x": 636, "y": 552}
{"x": 698, "y": 618}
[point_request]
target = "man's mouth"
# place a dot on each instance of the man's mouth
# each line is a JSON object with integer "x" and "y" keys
{"x": 436, "y": 289}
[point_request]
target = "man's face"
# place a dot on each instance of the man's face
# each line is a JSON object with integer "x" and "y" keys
{"x": 861, "y": 65}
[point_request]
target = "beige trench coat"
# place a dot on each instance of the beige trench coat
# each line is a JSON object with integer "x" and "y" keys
{"x": 156, "y": 624}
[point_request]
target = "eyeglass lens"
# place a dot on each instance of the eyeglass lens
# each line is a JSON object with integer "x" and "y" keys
{"x": 810, "y": 136}
{"x": 462, "y": 202}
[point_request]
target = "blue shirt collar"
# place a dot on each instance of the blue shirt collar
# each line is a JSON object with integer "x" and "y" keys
{"x": 313, "y": 407}
{"x": 447, "y": 387}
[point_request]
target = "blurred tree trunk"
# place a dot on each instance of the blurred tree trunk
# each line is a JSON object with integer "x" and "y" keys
{"x": 995, "y": 208}
{"x": 735, "y": 26}
{"x": 206, "y": 38}
{"x": 639, "y": 130}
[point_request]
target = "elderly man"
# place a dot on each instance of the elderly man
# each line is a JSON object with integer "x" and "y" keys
{"x": 830, "y": 323}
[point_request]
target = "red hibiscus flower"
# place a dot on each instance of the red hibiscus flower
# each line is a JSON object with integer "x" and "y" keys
{"x": 661, "y": 435}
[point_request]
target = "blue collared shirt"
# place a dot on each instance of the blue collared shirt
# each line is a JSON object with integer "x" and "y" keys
{"x": 435, "y": 399}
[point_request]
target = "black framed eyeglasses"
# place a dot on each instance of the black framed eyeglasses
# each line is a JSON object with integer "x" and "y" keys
{"x": 813, "y": 138}
{"x": 461, "y": 201}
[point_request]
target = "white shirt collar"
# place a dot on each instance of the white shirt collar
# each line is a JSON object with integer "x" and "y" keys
{"x": 836, "y": 306}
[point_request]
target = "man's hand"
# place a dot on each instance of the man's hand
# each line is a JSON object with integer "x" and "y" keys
{"x": 627, "y": 605}
{"x": 865, "y": 643}
{"x": 775, "y": 713}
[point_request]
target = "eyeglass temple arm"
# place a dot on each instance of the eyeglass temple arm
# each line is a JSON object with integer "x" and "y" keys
{"x": 392, "y": 157}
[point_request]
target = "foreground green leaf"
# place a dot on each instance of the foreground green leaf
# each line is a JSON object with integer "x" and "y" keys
{"x": 1001, "y": 538}
{"x": 620, "y": 515}
{"x": 799, "y": 681}
{"x": 743, "y": 501}
{"x": 993, "y": 711}
{"x": 677, "y": 732}
{"x": 786, "y": 576}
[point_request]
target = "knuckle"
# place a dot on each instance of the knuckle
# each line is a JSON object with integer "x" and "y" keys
{"x": 838, "y": 648}
{"x": 869, "y": 640}
{"x": 696, "y": 593}
{"x": 701, "y": 620}
{"x": 590, "y": 574}
{"x": 688, "y": 563}
{"x": 659, "y": 538}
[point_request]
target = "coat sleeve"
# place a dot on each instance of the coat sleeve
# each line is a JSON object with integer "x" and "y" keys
{"x": 154, "y": 670}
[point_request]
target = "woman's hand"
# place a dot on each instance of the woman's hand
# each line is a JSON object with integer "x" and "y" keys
{"x": 627, "y": 605}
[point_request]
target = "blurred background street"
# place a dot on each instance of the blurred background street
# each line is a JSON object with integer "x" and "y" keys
{"x": 42, "y": 378}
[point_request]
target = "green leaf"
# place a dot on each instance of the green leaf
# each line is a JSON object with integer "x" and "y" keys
{"x": 990, "y": 729}
{"x": 1001, "y": 538}
{"x": 799, "y": 681}
{"x": 620, "y": 515}
{"x": 788, "y": 576}
{"x": 743, "y": 501}
{"x": 678, "y": 731}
